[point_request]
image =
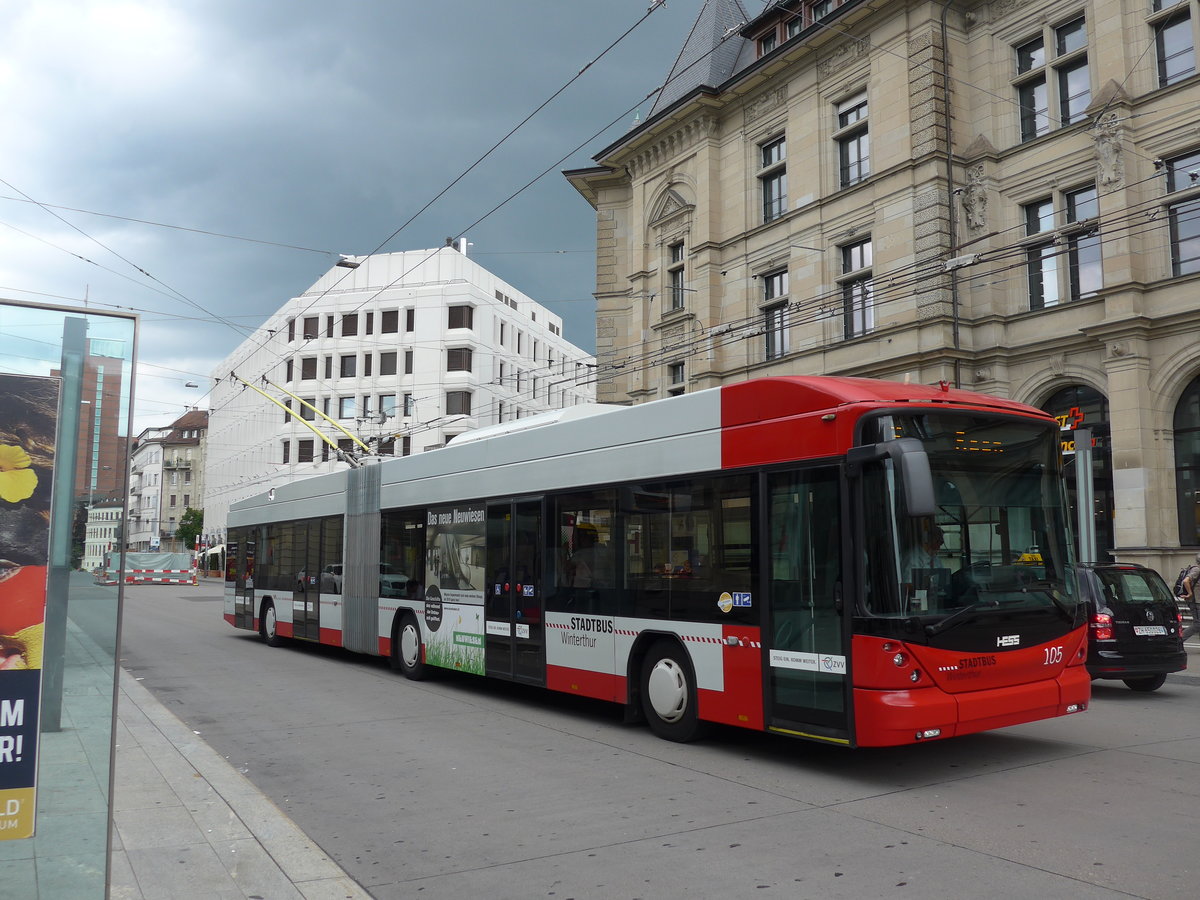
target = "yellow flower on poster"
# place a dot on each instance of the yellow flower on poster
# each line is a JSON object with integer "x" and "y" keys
{"x": 17, "y": 480}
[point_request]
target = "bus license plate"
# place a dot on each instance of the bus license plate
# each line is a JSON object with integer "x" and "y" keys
{"x": 1149, "y": 629}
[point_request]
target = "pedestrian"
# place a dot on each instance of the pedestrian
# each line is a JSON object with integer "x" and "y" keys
{"x": 1190, "y": 581}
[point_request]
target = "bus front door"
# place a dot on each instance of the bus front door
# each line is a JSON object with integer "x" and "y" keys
{"x": 306, "y": 600}
{"x": 808, "y": 668}
{"x": 516, "y": 641}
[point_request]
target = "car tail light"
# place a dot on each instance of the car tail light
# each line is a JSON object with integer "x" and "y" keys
{"x": 1102, "y": 626}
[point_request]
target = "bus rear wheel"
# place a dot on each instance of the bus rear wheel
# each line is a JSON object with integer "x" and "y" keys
{"x": 668, "y": 693}
{"x": 268, "y": 626}
{"x": 407, "y": 651}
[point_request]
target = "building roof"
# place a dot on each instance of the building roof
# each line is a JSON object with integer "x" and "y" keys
{"x": 709, "y": 55}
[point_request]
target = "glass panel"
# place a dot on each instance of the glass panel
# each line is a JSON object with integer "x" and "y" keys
{"x": 67, "y": 381}
{"x": 1185, "y": 237}
{"x": 1176, "y": 52}
{"x": 1031, "y": 56}
{"x": 1035, "y": 109}
{"x": 1043, "y": 276}
{"x": 1071, "y": 36}
{"x": 1074, "y": 91}
{"x": 805, "y": 574}
{"x": 1000, "y": 531}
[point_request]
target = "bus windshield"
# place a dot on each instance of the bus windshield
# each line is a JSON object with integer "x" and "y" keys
{"x": 999, "y": 537}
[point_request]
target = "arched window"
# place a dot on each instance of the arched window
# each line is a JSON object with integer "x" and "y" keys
{"x": 1187, "y": 464}
{"x": 1080, "y": 406}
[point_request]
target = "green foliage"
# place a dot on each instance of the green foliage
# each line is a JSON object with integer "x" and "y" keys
{"x": 191, "y": 526}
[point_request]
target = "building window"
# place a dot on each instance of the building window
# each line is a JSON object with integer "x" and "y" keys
{"x": 349, "y": 324}
{"x": 458, "y": 403}
{"x": 389, "y": 321}
{"x": 408, "y": 362}
{"x": 308, "y": 368}
{"x": 768, "y": 42}
{"x": 367, "y": 357}
{"x": 460, "y": 316}
{"x": 458, "y": 359}
{"x": 370, "y": 323}
{"x": 348, "y": 366}
{"x": 287, "y": 375}
{"x": 853, "y": 141}
{"x": 410, "y": 319}
{"x": 387, "y": 363}
{"x": 775, "y": 289}
{"x": 676, "y": 379}
{"x": 406, "y": 446}
{"x": 329, "y": 326}
{"x": 304, "y": 450}
{"x": 291, "y": 330}
{"x": 772, "y": 177}
{"x": 287, "y": 417}
{"x": 1184, "y": 216}
{"x": 1084, "y": 262}
{"x": 1174, "y": 42}
{"x": 287, "y": 452}
{"x": 305, "y": 413}
{"x": 409, "y": 405}
{"x": 387, "y": 405}
{"x": 1049, "y": 284}
{"x": 858, "y": 306}
{"x": 312, "y": 328}
{"x": 328, "y": 367}
{"x": 1042, "y": 109}
{"x": 345, "y": 407}
{"x": 675, "y": 272}
{"x": 502, "y": 335}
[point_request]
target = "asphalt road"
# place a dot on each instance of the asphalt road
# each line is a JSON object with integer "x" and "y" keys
{"x": 459, "y": 788}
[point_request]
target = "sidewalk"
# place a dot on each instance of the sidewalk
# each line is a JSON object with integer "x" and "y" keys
{"x": 186, "y": 824}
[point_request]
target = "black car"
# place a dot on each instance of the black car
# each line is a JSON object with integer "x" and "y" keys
{"x": 1134, "y": 625}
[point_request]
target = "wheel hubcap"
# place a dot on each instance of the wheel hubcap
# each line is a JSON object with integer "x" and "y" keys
{"x": 410, "y": 645}
{"x": 667, "y": 689}
{"x": 270, "y": 621}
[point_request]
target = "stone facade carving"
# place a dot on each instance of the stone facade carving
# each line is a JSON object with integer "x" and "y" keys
{"x": 843, "y": 56}
{"x": 766, "y": 102}
{"x": 975, "y": 198}
{"x": 672, "y": 144}
{"x": 1110, "y": 163}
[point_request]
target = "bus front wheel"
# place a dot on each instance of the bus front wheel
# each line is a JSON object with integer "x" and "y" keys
{"x": 406, "y": 649}
{"x": 668, "y": 693}
{"x": 268, "y": 625}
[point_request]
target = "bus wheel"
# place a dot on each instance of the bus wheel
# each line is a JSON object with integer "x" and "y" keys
{"x": 1147, "y": 684}
{"x": 406, "y": 649}
{"x": 668, "y": 693}
{"x": 267, "y": 626}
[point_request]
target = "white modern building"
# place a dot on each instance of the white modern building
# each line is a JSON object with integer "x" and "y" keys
{"x": 145, "y": 490}
{"x": 402, "y": 350}
{"x": 103, "y": 532}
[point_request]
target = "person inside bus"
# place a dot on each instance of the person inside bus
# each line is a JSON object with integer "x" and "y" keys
{"x": 590, "y": 565}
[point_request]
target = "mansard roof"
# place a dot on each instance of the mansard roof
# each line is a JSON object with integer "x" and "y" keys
{"x": 709, "y": 55}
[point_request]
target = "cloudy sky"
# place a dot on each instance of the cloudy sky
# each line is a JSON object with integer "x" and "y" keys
{"x": 308, "y": 129}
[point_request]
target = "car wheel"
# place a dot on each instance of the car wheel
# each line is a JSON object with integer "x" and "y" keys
{"x": 1147, "y": 684}
{"x": 407, "y": 651}
{"x": 668, "y": 693}
{"x": 268, "y": 625}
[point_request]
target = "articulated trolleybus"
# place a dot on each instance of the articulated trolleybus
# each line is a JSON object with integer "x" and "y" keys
{"x": 846, "y": 560}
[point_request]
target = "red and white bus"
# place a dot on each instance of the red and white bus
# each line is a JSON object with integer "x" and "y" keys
{"x": 846, "y": 560}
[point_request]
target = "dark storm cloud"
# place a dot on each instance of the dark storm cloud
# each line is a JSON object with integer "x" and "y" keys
{"x": 306, "y": 123}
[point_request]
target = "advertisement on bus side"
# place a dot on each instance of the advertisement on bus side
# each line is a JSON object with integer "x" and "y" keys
{"x": 454, "y": 568}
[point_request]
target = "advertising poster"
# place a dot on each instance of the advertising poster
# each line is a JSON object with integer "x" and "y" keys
{"x": 28, "y": 416}
{"x": 454, "y": 570}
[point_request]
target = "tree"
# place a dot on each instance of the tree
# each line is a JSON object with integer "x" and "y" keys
{"x": 191, "y": 525}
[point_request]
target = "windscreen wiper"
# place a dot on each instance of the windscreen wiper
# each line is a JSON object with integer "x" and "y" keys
{"x": 951, "y": 620}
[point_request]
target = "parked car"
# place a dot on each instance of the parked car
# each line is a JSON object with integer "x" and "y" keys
{"x": 1134, "y": 625}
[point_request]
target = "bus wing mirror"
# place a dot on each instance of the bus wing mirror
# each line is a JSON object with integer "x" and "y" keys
{"x": 910, "y": 458}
